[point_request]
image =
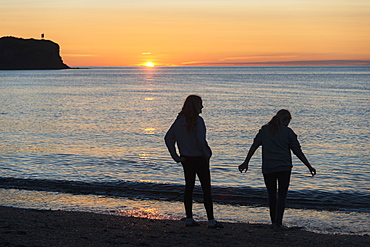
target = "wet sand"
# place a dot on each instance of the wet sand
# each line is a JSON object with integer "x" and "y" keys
{"x": 28, "y": 227}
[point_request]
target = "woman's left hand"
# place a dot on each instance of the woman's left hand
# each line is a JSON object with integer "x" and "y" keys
{"x": 243, "y": 167}
{"x": 313, "y": 171}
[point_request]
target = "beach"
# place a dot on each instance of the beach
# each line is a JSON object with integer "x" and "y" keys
{"x": 29, "y": 227}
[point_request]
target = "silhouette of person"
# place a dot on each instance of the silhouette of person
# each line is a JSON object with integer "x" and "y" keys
{"x": 189, "y": 133}
{"x": 42, "y": 36}
{"x": 277, "y": 139}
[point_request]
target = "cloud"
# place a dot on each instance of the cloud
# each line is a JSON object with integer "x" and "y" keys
{"x": 252, "y": 59}
{"x": 79, "y": 55}
{"x": 284, "y": 63}
{"x": 258, "y": 57}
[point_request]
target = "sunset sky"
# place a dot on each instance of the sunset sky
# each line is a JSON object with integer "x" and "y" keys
{"x": 196, "y": 32}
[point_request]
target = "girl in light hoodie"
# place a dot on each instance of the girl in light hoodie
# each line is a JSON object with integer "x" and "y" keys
{"x": 189, "y": 132}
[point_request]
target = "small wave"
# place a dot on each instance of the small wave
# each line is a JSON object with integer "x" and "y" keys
{"x": 245, "y": 196}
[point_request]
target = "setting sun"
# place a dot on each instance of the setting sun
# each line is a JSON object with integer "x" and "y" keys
{"x": 149, "y": 64}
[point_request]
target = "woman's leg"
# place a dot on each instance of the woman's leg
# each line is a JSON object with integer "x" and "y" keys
{"x": 189, "y": 174}
{"x": 204, "y": 176}
{"x": 270, "y": 182}
{"x": 283, "y": 181}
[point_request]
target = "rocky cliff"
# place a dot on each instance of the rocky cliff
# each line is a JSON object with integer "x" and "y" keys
{"x": 17, "y": 53}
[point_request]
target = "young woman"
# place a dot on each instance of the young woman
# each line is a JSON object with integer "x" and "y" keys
{"x": 277, "y": 139}
{"x": 189, "y": 132}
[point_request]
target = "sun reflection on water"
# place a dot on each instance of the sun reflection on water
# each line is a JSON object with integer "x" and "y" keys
{"x": 149, "y": 130}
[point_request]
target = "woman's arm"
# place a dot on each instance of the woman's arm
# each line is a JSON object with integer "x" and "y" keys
{"x": 252, "y": 150}
{"x": 304, "y": 160}
{"x": 256, "y": 143}
{"x": 170, "y": 140}
{"x": 296, "y": 148}
{"x": 201, "y": 134}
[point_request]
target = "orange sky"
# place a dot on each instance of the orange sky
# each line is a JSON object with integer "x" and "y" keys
{"x": 196, "y": 32}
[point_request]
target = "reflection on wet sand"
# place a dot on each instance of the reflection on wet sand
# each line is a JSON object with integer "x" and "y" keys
{"x": 312, "y": 220}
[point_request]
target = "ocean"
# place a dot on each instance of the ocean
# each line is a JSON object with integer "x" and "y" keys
{"x": 91, "y": 139}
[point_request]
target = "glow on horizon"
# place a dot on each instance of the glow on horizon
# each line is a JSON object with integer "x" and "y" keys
{"x": 149, "y": 64}
{"x": 196, "y": 33}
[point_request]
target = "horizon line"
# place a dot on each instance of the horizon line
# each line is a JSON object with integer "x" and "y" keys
{"x": 309, "y": 63}
{"x": 220, "y": 65}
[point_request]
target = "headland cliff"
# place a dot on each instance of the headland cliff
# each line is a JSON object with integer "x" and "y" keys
{"x": 18, "y": 53}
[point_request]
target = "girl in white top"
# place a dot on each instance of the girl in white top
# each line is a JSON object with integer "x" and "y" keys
{"x": 189, "y": 132}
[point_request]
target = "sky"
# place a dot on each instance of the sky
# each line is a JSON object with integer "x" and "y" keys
{"x": 196, "y": 32}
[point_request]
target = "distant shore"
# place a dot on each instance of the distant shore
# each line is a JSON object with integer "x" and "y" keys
{"x": 28, "y": 227}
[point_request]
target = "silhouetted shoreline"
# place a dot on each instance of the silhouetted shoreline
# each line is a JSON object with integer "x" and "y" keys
{"x": 28, "y": 227}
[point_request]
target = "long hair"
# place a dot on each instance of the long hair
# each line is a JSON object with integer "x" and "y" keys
{"x": 191, "y": 109}
{"x": 282, "y": 117}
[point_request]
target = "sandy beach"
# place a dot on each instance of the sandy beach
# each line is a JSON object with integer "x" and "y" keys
{"x": 28, "y": 227}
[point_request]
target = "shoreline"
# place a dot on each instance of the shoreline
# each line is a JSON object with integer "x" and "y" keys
{"x": 323, "y": 222}
{"x": 30, "y": 227}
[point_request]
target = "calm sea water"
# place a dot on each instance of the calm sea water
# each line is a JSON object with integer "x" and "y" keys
{"x": 99, "y": 130}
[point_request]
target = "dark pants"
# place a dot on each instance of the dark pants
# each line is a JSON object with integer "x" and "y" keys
{"x": 197, "y": 166}
{"x": 277, "y": 201}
